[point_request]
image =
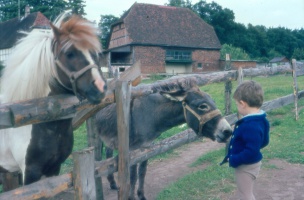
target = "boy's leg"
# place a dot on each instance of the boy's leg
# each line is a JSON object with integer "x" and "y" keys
{"x": 245, "y": 176}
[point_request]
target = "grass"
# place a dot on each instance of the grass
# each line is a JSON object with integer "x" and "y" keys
{"x": 286, "y": 142}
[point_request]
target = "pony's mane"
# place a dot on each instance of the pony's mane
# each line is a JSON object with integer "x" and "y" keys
{"x": 80, "y": 33}
{"x": 174, "y": 86}
{"x": 28, "y": 68}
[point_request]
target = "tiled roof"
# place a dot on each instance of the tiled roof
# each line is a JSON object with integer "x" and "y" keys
{"x": 9, "y": 30}
{"x": 279, "y": 59}
{"x": 149, "y": 24}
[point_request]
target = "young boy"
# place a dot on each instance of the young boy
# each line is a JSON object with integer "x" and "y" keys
{"x": 251, "y": 133}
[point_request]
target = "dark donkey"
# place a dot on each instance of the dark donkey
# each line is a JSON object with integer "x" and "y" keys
{"x": 151, "y": 115}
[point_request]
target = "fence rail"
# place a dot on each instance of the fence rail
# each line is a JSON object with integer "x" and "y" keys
{"x": 52, "y": 186}
{"x": 64, "y": 106}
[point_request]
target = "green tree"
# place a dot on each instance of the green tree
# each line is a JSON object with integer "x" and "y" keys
{"x": 51, "y": 9}
{"x": 180, "y": 3}
{"x": 105, "y": 27}
{"x": 77, "y": 6}
{"x": 273, "y": 53}
{"x": 298, "y": 54}
{"x": 9, "y": 9}
{"x": 282, "y": 40}
{"x": 235, "y": 53}
{"x": 222, "y": 19}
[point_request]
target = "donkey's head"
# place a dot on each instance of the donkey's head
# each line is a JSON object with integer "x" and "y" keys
{"x": 76, "y": 48}
{"x": 201, "y": 114}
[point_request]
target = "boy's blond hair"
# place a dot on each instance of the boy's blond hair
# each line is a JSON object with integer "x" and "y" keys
{"x": 250, "y": 92}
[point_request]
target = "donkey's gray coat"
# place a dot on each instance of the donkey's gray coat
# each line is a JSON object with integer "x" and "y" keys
{"x": 153, "y": 114}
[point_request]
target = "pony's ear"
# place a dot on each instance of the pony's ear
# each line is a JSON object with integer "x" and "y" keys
{"x": 174, "y": 96}
{"x": 56, "y": 31}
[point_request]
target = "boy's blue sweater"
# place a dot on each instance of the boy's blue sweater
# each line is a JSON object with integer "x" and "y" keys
{"x": 250, "y": 134}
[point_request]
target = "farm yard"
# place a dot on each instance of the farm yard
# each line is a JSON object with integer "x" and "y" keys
{"x": 192, "y": 171}
{"x": 54, "y": 133}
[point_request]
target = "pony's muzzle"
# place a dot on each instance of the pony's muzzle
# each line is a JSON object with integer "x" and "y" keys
{"x": 100, "y": 85}
{"x": 98, "y": 81}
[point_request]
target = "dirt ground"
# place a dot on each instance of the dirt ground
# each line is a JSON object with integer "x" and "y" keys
{"x": 283, "y": 181}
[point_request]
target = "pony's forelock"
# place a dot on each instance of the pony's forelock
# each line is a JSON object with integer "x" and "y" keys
{"x": 80, "y": 33}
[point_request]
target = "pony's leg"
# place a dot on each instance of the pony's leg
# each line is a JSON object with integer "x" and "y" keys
{"x": 133, "y": 179}
{"x": 142, "y": 169}
{"x": 110, "y": 177}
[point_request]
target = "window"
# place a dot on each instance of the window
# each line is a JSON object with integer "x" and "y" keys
{"x": 178, "y": 56}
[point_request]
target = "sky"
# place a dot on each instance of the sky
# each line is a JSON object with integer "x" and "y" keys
{"x": 270, "y": 13}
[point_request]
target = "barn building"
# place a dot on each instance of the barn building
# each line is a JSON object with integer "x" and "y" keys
{"x": 164, "y": 39}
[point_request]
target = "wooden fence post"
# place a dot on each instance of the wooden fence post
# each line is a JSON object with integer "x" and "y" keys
{"x": 95, "y": 141}
{"x": 240, "y": 76}
{"x": 123, "y": 97}
{"x": 240, "y": 81}
{"x": 295, "y": 87}
{"x": 228, "y": 87}
{"x": 84, "y": 174}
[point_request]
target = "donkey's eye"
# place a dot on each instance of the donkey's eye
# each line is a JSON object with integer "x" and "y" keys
{"x": 203, "y": 107}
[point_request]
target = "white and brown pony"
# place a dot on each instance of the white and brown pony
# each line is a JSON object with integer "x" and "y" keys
{"x": 64, "y": 60}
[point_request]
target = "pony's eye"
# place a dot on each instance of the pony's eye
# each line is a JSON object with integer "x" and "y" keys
{"x": 70, "y": 55}
{"x": 203, "y": 107}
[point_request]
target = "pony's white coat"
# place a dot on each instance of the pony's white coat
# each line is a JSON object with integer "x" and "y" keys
{"x": 26, "y": 76}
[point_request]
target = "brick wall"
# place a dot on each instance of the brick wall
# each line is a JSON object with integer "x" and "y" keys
{"x": 119, "y": 36}
{"x": 152, "y": 59}
{"x": 205, "y": 60}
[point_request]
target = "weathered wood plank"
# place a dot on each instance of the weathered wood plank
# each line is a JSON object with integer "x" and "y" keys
{"x": 123, "y": 98}
{"x": 95, "y": 141}
{"x": 83, "y": 174}
{"x": 295, "y": 86}
{"x": 45, "y": 188}
{"x": 215, "y": 77}
{"x": 44, "y": 109}
{"x": 228, "y": 88}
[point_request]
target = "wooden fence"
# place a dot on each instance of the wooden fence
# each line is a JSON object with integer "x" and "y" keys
{"x": 86, "y": 159}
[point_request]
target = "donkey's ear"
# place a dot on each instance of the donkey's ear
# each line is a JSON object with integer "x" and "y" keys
{"x": 56, "y": 31}
{"x": 174, "y": 96}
